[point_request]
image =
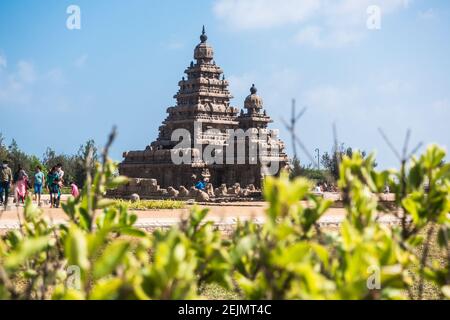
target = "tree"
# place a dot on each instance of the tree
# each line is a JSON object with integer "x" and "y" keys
{"x": 51, "y": 159}
{"x": 86, "y": 150}
{"x": 330, "y": 161}
{"x": 296, "y": 168}
{"x": 48, "y": 156}
{"x": 308, "y": 171}
{"x": 17, "y": 157}
{"x": 3, "y": 148}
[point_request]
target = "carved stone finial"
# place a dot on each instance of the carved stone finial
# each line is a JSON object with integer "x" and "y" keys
{"x": 203, "y": 37}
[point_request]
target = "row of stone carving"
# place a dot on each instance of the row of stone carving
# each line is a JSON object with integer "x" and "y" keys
{"x": 149, "y": 187}
{"x": 210, "y": 192}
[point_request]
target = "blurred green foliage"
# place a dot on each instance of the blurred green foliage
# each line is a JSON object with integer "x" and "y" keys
{"x": 151, "y": 204}
{"x": 99, "y": 254}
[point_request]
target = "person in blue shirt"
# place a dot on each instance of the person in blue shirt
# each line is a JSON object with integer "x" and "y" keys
{"x": 39, "y": 180}
{"x": 201, "y": 184}
{"x": 53, "y": 187}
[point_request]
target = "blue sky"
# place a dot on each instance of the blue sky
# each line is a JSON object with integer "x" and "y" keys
{"x": 60, "y": 87}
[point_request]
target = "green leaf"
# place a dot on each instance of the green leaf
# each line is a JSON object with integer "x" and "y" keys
{"x": 104, "y": 203}
{"x": 416, "y": 176}
{"x": 197, "y": 215}
{"x": 117, "y": 181}
{"x": 416, "y": 240}
{"x": 76, "y": 248}
{"x": 244, "y": 245}
{"x": 446, "y": 291}
{"x": 411, "y": 207}
{"x": 349, "y": 235}
{"x": 321, "y": 252}
{"x": 291, "y": 254}
{"x": 30, "y": 273}
{"x": 28, "y": 248}
{"x": 433, "y": 157}
{"x": 110, "y": 258}
{"x": 61, "y": 293}
{"x": 106, "y": 289}
{"x": 134, "y": 232}
{"x": 443, "y": 236}
{"x": 85, "y": 218}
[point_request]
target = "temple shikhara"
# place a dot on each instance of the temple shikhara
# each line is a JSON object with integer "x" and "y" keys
{"x": 203, "y": 110}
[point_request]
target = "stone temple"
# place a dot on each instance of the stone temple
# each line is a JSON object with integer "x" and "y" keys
{"x": 203, "y": 101}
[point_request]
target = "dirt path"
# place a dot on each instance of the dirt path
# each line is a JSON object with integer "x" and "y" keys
{"x": 226, "y": 213}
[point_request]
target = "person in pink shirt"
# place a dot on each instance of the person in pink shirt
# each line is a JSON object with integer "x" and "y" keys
{"x": 75, "y": 192}
{"x": 20, "y": 180}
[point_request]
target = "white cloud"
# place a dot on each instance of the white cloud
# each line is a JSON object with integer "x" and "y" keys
{"x": 174, "y": 44}
{"x": 274, "y": 88}
{"x": 428, "y": 14}
{"x": 332, "y": 99}
{"x": 24, "y": 87}
{"x": 315, "y": 36}
{"x": 394, "y": 87}
{"x": 441, "y": 106}
{"x": 14, "y": 86}
{"x": 240, "y": 84}
{"x": 321, "y": 23}
{"x": 251, "y": 14}
{"x": 55, "y": 76}
{"x": 3, "y": 63}
{"x": 81, "y": 61}
{"x": 26, "y": 72}
{"x": 310, "y": 35}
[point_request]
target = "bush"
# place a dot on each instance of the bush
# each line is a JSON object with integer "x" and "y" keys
{"x": 150, "y": 204}
{"x": 100, "y": 255}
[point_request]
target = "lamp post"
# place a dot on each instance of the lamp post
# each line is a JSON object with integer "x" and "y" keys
{"x": 318, "y": 158}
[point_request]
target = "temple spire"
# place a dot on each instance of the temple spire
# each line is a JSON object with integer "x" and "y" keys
{"x": 203, "y": 37}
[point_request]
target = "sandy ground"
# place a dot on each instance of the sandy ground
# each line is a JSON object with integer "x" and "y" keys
{"x": 225, "y": 213}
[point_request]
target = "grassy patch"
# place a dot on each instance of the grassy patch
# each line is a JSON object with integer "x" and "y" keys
{"x": 435, "y": 255}
{"x": 216, "y": 292}
{"x": 64, "y": 190}
{"x": 151, "y": 204}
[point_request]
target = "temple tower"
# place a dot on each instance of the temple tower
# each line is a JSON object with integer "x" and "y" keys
{"x": 203, "y": 98}
{"x": 203, "y": 110}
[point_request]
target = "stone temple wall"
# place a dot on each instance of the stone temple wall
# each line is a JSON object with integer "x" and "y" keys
{"x": 203, "y": 99}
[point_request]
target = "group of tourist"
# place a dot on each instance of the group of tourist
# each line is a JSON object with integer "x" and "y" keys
{"x": 22, "y": 184}
{"x": 324, "y": 187}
